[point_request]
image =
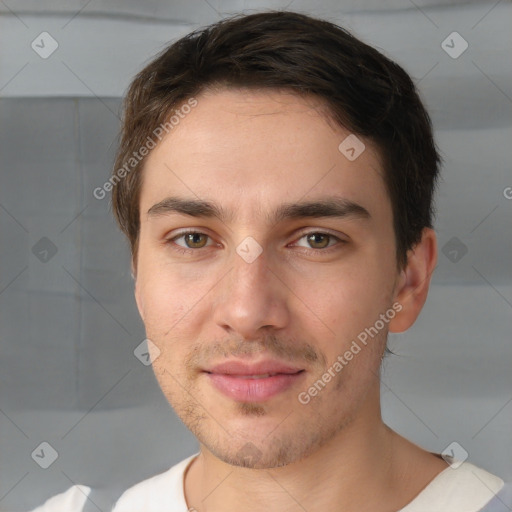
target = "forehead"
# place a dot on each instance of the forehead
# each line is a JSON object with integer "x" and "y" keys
{"x": 251, "y": 149}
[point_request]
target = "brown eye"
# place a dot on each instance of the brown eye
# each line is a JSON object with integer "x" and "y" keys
{"x": 318, "y": 240}
{"x": 195, "y": 240}
{"x": 189, "y": 240}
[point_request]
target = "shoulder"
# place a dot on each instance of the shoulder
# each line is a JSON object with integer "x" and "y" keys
{"x": 157, "y": 493}
{"x": 461, "y": 487}
{"x": 72, "y": 500}
{"x": 502, "y": 502}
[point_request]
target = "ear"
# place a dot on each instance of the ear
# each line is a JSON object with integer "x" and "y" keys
{"x": 414, "y": 281}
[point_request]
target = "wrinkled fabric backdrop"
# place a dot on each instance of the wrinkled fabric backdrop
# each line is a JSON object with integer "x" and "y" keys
{"x": 69, "y": 327}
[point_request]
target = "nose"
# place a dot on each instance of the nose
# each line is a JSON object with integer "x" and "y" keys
{"x": 251, "y": 299}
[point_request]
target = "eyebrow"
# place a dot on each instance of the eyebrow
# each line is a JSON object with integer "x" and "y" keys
{"x": 325, "y": 207}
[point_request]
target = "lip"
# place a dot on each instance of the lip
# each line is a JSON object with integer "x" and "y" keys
{"x": 245, "y": 369}
{"x": 255, "y": 382}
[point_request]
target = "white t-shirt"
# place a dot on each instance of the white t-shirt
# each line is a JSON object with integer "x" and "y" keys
{"x": 464, "y": 489}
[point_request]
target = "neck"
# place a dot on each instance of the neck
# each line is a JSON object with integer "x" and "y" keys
{"x": 366, "y": 465}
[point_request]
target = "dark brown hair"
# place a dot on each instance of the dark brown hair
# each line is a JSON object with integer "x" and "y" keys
{"x": 365, "y": 92}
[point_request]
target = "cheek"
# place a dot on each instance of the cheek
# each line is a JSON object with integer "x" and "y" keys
{"x": 174, "y": 311}
{"x": 345, "y": 301}
{"x": 165, "y": 322}
{"x": 167, "y": 297}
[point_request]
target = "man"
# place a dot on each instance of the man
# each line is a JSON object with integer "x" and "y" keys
{"x": 275, "y": 180}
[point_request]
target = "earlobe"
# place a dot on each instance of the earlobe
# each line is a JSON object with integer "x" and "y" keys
{"x": 414, "y": 281}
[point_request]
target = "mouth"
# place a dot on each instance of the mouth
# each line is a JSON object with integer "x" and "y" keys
{"x": 253, "y": 382}
{"x": 263, "y": 376}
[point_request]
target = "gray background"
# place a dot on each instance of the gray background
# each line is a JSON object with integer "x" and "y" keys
{"x": 69, "y": 325}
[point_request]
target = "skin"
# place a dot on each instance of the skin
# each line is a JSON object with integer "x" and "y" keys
{"x": 301, "y": 300}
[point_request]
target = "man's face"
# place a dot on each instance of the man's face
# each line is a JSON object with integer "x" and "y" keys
{"x": 212, "y": 298}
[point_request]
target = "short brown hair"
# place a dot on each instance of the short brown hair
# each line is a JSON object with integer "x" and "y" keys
{"x": 366, "y": 93}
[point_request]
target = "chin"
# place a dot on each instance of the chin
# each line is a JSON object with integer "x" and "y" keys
{"x": 263, "y": 453}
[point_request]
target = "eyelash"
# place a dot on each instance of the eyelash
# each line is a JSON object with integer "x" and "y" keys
{"x": 183, "y": 250}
